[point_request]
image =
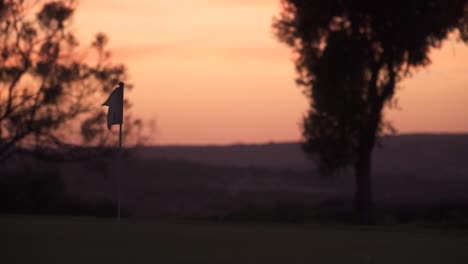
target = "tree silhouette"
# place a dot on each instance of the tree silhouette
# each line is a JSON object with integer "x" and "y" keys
{"x": 51, "y": 89}
{"x": 350, "y": 55}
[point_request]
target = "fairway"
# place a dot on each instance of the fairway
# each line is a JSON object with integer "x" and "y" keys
{"x": 32, "y": 239}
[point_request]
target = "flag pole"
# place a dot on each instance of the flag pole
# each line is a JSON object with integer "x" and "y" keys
{"x": 121, "y": 85}
{"x": 115, "y": 102}
{"x": 118, "y": 176}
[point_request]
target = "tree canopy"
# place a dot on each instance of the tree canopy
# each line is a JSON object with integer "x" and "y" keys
{"x": 51, "y": 87}
{"x": 350, "y": 56}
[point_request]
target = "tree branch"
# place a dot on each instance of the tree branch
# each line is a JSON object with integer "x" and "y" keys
{"x": 389, "y": 87}
{"x": 15, "y": 81}
{"x": 373, "y": 95}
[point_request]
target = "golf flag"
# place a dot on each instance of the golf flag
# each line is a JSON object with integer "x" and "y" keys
{"x": 115, "y": 104}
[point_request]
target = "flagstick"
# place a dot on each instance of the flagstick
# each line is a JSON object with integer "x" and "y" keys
{"x": 118, "y": 177}
{"x": 115, "y": 102}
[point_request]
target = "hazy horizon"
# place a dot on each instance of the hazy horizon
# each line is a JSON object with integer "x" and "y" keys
{"x": 268, "y": 142}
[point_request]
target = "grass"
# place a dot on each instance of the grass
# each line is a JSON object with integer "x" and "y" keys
{"x": 41, "y": 239}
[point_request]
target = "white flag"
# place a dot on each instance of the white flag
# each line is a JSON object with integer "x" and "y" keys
{"x": 115, "y": 103}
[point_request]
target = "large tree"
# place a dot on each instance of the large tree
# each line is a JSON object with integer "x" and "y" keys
{"x": 350, "y": 56}
{"x": 51, "y": 88}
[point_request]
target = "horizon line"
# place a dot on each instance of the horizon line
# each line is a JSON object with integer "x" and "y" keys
{"x": 273, "y": 142}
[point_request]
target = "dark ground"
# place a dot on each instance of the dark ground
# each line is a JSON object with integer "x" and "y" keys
{"x": 26, "y": 239}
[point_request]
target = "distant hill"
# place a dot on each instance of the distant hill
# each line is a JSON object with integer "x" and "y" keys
{"x": 271, "y": 155}
{"x": 410, "y": 167}
{"x": 403, "y": 153}
{"x": 215, "y": 180}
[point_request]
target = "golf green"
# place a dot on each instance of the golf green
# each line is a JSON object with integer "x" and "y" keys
{"x": 38, "y": 239}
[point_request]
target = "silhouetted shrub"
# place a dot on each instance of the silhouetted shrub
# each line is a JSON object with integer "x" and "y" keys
{"x": 41, "y": 190}
{"x": 340, "y": 211}
{"x": 282, "y": 212}
{"x": 28, "y": 191}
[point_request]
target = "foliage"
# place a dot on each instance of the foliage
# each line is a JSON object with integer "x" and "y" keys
{"x": 51, "y": 88}
{"x": 350, "y": 56}
{"x": 41, "y": 190}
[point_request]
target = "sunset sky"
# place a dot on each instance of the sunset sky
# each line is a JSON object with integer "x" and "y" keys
{"x": 211, "y": 72}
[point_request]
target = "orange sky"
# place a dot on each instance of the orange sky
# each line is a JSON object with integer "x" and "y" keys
{"x": 211, "y": 72}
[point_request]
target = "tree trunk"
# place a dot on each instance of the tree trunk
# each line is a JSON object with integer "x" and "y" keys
{"x": 363, "y": 198}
